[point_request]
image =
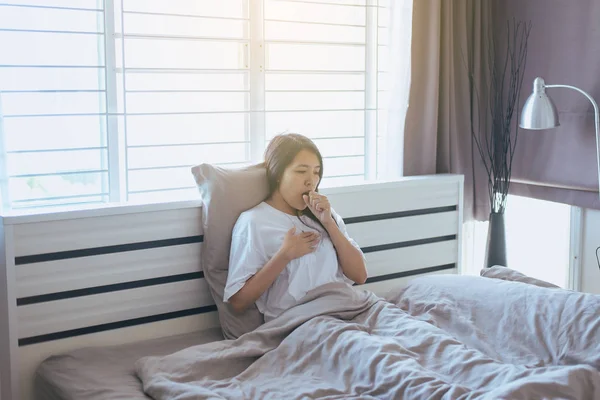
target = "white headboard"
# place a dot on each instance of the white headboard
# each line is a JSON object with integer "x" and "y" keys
{"x": 126, "y": 273}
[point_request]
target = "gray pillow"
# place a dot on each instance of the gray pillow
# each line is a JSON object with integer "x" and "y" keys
{"x": 225, "y": 194}
{"x": 507, "y": 274}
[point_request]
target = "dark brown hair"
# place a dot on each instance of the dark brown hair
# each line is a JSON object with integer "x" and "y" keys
{"x": 280, "y": 153}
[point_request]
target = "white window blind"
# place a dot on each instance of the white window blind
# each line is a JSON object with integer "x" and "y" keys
{"x": 114, "y": 100}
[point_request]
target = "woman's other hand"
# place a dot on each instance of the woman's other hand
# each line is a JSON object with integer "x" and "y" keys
{"x": 297, "y": 245}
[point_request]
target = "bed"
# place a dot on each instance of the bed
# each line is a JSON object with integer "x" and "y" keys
{"x": 451, "y": 335}
{"x": 123, "y": 274}
{"x": 112, "y": 303}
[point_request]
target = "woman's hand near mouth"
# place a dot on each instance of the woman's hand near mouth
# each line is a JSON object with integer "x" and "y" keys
{"x": 350, "y": 258}
{"x": 319, "y": 205}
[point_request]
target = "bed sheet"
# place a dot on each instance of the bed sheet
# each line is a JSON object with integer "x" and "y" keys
{"x": 107, "y": 373}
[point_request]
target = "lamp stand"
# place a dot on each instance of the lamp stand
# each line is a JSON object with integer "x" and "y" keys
{"x": 596, "y": 122}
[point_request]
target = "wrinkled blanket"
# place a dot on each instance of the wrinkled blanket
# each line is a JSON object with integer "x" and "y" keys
{"x": 514, "y": 322}
{"x": 346, "y": 343}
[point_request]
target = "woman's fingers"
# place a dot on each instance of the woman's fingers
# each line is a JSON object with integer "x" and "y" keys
{"x": 311, "y": 237}
{"x": 317, "y": 201}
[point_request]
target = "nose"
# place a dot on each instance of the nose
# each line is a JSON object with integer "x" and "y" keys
{"x": 311, "y": 183}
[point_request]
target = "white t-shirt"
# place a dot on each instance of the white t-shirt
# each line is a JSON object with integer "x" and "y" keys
{"x": 258, "y": 234}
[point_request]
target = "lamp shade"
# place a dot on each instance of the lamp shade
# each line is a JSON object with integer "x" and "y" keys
{"x": 539, "y": 111}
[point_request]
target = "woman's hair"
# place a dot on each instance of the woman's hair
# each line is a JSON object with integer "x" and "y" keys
{"x": 280, "y": 153}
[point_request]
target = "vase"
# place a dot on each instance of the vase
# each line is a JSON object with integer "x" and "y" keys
{"x": 495, "y": 249}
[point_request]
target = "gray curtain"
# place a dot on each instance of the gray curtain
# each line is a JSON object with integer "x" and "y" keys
{"x": 564, "y": 48}
{"x": 447, "y": 36}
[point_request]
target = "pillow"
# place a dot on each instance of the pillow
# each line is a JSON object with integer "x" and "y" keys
{"x": 507, "y": 274}
{"x": 225, "y": 194}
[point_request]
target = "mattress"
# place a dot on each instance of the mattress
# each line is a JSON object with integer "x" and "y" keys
{"x": 107, "y": 373}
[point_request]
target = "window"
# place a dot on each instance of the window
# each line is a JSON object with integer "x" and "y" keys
{"x": 114, "y": 100}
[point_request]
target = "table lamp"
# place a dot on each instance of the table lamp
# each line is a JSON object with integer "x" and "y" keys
{"x": 539, "y": 112}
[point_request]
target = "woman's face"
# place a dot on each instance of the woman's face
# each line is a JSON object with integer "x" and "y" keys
{"x": 300, "y": 177}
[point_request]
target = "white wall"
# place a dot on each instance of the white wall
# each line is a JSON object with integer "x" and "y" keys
{"x": 590, "y": 274}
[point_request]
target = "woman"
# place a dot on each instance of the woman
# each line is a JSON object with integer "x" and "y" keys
{"x": 293, "y": 241}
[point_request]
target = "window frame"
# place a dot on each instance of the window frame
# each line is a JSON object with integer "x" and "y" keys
{"x": 116, "y": 186}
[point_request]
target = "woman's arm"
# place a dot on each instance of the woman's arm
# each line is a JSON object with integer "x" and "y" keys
{"x": 351, "y": 259}
{"x": 293, "y": 246}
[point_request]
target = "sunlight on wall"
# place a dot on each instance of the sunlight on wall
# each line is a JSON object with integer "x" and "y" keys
{"x": 537, "y": 236}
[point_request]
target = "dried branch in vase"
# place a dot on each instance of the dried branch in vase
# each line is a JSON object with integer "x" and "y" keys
{"x": 493, "y": 112}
